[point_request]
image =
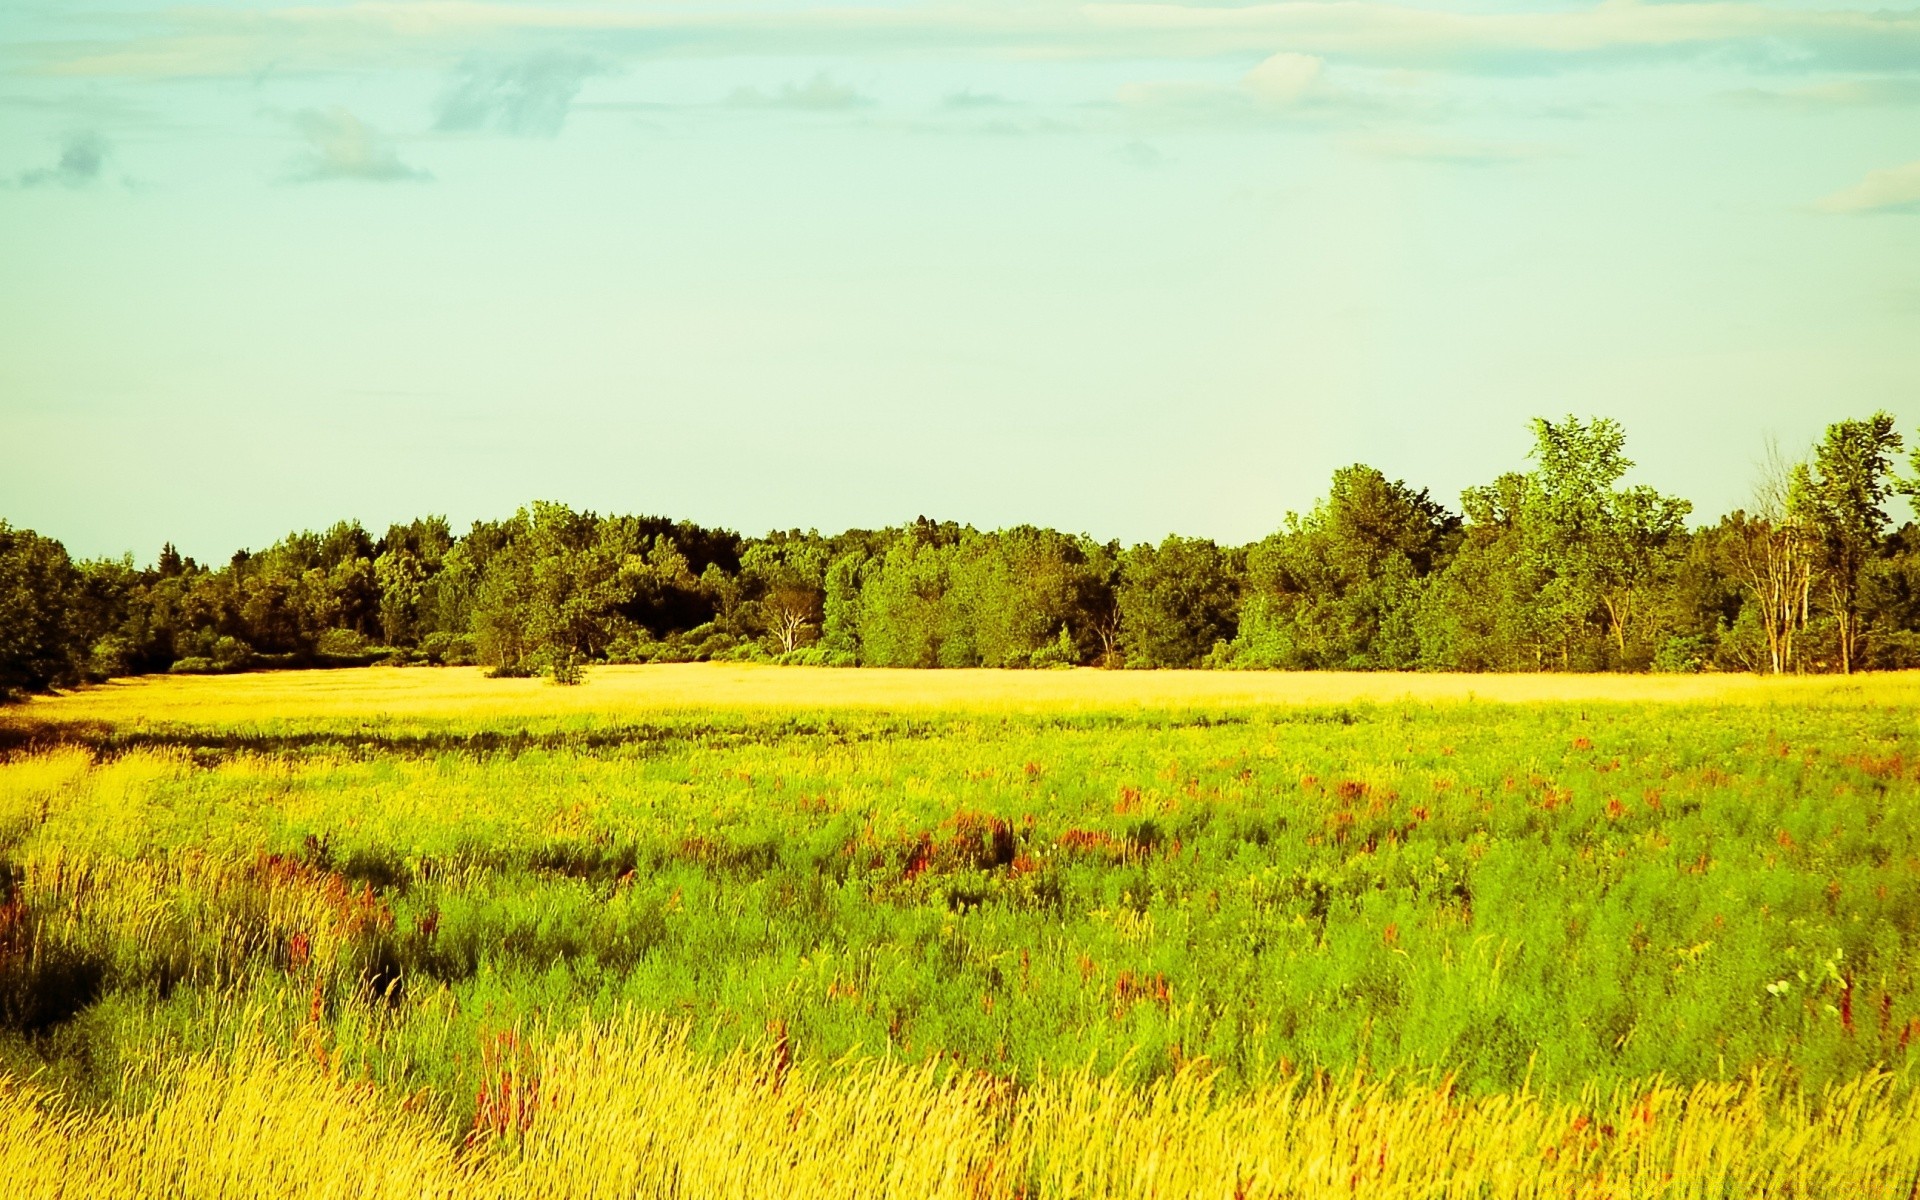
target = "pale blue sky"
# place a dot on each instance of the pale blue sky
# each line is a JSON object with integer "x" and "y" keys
{"x": 1121, "y": 268}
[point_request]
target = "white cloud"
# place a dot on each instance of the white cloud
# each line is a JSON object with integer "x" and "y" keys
{"x": 342, "y": 146}
{"x": 1891, "y": 189}
{"x": 1284, "y": 78}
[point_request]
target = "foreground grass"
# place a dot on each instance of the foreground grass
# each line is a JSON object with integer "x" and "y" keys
{"x": 1655, "y": 943}
{"x": 627, "y": 1110}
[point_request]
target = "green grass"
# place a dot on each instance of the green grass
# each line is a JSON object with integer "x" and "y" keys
{"x": 1558, "y": 893}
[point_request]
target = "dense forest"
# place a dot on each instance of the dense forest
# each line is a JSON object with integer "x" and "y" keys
{"x": 1559, "y": 567}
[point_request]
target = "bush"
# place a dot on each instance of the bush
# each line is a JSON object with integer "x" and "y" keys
{"x": 816, "y": 656}
{"x": 565, "y": 667}
{"x": 635, "y": 645}
{"x": 450, "y": 649}
{"x": 1682, "y": 655}
{"x": 111, "y": 655}
{"x": 341, "y": 642}
{"x": 1061, "y": 652}
{"x": 1893, "y": 650}
{"x": 232, "y": 654}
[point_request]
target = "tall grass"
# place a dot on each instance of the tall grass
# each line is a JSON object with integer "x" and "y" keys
{"x": 627, "y": 1109}
{"x": 1074, "y": 951}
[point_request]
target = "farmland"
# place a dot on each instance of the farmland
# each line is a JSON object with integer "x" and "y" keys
{"x": 706, "y": 930}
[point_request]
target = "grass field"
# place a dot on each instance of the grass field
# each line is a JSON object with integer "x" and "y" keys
{"x": 706, "y": 931}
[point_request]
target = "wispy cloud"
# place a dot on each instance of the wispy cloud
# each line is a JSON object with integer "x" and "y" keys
{"x": 1847, "y": 93}
{"x": 340, "y": 146}
{"x": 1454, "y": 152}
{"x": 1774, "y": 36}
{"x": 819, "y": 94}
{"x": 527, "y": 97}
{"x": 1530, "y": 41}
{"x": 1889, "y": 190}
{"x": 81, "y": 161}
{"x": 1281, "y": 86}
{"x": 970, "y": 99}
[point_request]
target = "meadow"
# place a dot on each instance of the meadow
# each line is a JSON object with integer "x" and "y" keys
{"x": 706, "y": 930}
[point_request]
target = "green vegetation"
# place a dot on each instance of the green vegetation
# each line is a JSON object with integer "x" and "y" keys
{"x": 1561, "y": 894}
{"x": 1562, "y": 567}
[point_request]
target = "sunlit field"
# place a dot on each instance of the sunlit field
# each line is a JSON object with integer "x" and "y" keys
{"x": 730, "y": 931}
{"x": 465, "y": 694}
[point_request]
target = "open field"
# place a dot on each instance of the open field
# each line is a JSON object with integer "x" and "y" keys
{"x": 465, "y": 694}
{"x": 731, "y": 931}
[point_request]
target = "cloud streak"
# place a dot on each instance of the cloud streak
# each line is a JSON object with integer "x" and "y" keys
{"x": 819, "y": 94}
{"x": 1361, "y": 32}
{"x": 527, "y": 97}
{"x": 1452, "y": 152}
{"x": 1890, "y": 190}
{"x": 340, "y": 146}
{"x": 81, "y": 161}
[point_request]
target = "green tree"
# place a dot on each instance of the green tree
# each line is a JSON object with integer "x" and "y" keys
{"x": 1177, "y": 601}
{"x": 903, "y": 616}
{"x": 1340, "y": 587}
{"x": 1845, "y": 494}
{"x": 1014, "y": 590}
{"x": 551, "y": 595}
{"x": 1776, "y": 549}
{"x": 1598, "y": 545}
{"x": 840, "y": 606}
{"x": 1480, "y": 613}
{"x": 41, "y": 643}
{"x": 409, "y": 557}
{"x": 787, "y": 578}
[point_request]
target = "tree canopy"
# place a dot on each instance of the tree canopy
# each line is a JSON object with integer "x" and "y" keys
{"x": 1565, "y": 565}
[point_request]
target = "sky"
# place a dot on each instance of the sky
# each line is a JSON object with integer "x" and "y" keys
{"x": 1117, "y": 268}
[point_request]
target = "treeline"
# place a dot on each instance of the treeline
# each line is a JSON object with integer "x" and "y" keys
{"x": 1560, "y": 567}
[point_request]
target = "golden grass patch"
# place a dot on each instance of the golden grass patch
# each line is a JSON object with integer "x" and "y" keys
{"x": 627, "y": 1109}
{"x": 614, "y": 691}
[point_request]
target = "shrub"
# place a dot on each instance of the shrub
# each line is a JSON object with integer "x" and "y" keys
{"x": 1682, "y": 655}
{"x": 232, "y": 654}
{"x": 341, "y": 642}
{"x": 450, "y": 649}
{"x": 1061, "y": 652}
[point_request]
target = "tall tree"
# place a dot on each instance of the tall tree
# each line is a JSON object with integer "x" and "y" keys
{"x": 1845, "y": 494}
{"x": 40, "y": 645}
{"x": 788, "y": 579}
{"x": 1776, "y": 552}
{"x": 1339, "y": 587}
{"x": 840, "y": 607}
{"x": 1601, "y": 546}
{"x": 1177, "y": 601}
{"x": 1480, "y": 613}
{"x": 552, "y": 593}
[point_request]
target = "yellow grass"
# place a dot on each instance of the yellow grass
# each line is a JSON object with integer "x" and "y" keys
{"x": 614, "y": 691}
{"x": 627, "y": 1109}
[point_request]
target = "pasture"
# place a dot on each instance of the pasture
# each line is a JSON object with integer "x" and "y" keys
{"x": 708, "y": 930}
